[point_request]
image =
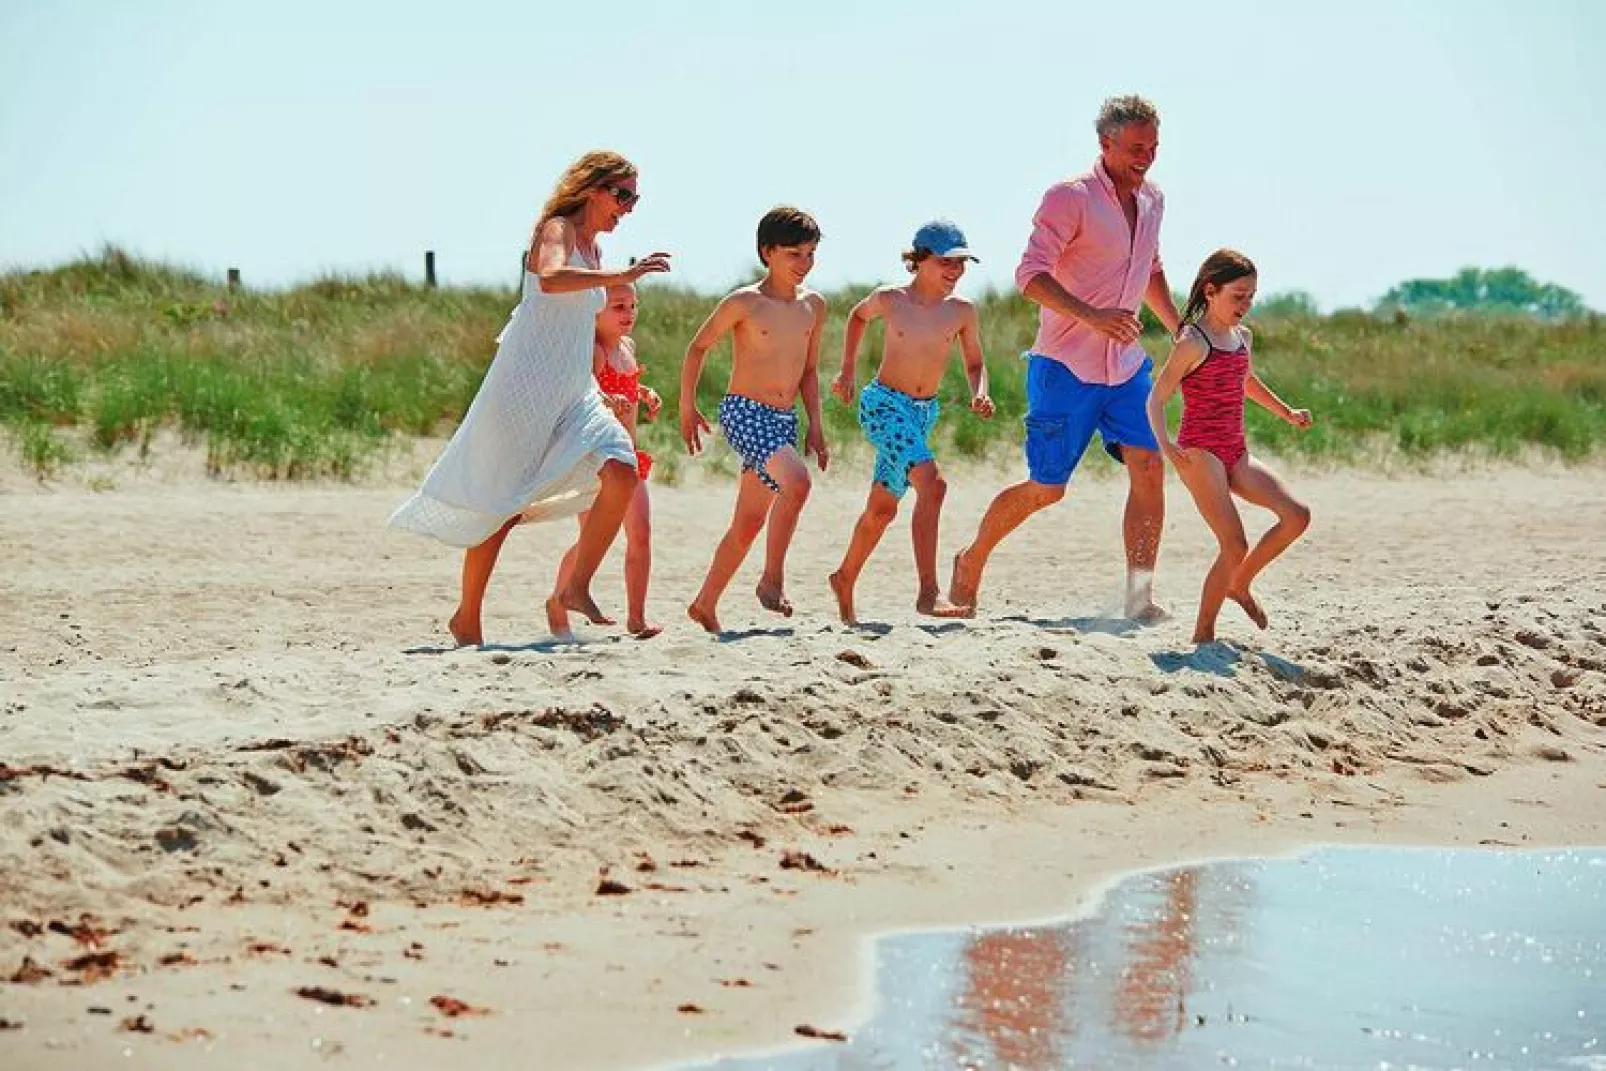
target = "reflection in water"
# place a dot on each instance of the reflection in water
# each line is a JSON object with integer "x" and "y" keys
{"x": 1338, "y": 959}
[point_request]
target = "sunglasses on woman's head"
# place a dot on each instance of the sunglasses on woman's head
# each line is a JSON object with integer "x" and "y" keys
{"x": 624, "y": 195}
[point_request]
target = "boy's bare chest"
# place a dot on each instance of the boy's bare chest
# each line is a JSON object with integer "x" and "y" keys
{"x": 776, "y": 326}
{"x": 915, "y": 325}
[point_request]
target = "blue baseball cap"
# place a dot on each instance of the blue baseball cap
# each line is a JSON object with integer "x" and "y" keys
{"x": 944, "y": 239}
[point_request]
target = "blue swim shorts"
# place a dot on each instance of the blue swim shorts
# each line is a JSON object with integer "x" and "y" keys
{"x": 1062, "y": 413}
{"x": 755, "y": 431}
{"x": 897, "y": 425}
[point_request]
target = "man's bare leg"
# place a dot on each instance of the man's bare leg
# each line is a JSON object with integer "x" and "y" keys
{"x": 1141, "y": 526}
{"x": 1007, "y": 512}
{"x": 478, "y": 564}
{"x": 787, "y": 469}
{"x": 753, "y": 502}
{"x": 879, "y": 510}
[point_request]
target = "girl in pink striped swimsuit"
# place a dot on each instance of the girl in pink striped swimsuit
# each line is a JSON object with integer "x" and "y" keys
{"x": 1211, "y": 364}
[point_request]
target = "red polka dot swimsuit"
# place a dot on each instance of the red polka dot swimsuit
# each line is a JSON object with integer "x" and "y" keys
{"x": 628, "y": 386}
{"x": 1213, "y": 403}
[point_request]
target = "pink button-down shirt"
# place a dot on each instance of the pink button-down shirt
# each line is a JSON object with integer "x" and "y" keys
{"x": 1080, "y": 236}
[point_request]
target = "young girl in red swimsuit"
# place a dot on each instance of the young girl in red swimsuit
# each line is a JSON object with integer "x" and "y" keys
{"x": 613, "y": 362}
{"x": 1212, "y": 365}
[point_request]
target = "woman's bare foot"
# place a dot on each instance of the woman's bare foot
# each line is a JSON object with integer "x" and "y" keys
{"x": 773, "y": 599}
{"x": 582, "y": 602}
{"x": 1250, "y": 606}
{"x": 462, "y": 633}
{"x": 705, "y": 618}
{"x": 557, "y": 618}
{"x": 844, "y": 597}
{"x": 932, "y": 604}
{"x": 641, "y": 628}
{"x": 963, "y": 585}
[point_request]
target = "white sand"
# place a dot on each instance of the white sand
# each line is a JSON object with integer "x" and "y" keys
{"x": 227, "y": 715}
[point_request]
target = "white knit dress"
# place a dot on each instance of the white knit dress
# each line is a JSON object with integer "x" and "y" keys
{"x": 536, "y": 434}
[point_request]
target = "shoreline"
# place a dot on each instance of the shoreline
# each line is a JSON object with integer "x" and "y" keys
{"x": 257, "y": 765}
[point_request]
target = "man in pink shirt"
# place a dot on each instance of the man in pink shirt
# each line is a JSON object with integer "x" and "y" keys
{"x": 1092, "y": 261}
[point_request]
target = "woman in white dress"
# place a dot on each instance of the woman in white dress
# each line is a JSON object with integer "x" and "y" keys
{"x": 537, "y": 443}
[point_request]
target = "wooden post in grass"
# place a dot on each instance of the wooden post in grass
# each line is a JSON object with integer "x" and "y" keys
{"x": 429, "y": 268}
{"x": 234, "y": 278}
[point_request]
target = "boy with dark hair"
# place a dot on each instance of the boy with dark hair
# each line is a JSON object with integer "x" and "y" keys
{"x": 775, "y": 326}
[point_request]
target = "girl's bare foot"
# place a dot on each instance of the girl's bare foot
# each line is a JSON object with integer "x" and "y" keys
{"x": 1201, "y": 636}
{"x": 932, "y": 604}
{"x": 582, "y": 602}
{"x": 642, "y": 629}
{"x": 557, "y": 618}
{"x": 464, "y": 635}
{"x": 773, "y": 599}
{"x": 1250, "y": 606}
{"x": 962, "y": 586}
{"x": 844, "y": 597}
{"x": 705, "y": 618}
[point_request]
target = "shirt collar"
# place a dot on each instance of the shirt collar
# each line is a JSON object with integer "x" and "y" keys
{"x": 1109, "y": 184}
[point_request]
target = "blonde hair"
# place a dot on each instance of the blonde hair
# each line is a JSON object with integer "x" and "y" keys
{"x": 596, "y": 168}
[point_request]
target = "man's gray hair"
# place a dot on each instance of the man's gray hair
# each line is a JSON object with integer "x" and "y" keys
{"x": 1118, "y": 112}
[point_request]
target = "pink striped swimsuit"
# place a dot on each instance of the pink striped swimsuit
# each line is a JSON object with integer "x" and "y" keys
{"x": 1213, "y": 403}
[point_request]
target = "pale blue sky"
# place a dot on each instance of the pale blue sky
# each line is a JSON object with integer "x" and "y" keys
{"x": 1343, "y": 146}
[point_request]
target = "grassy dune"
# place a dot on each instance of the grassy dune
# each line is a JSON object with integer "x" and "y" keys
{"x": 313, "y": 381}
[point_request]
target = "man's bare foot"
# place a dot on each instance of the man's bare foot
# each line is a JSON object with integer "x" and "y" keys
{"x": 1250, "y": 606}
{"x": 582, "y": 602}
{"x": 704, "y": 618}
{"x": 557, "y": 618}
{"x": 844, "y": 597}
{"x": 642, "y": 629}
{"x": 962, "y": 586}
{"x": 1147, "y": 613}
{"x": 465, "y": 636}
{"x": 932, "y": 604}
{"x": 773, "y": 599}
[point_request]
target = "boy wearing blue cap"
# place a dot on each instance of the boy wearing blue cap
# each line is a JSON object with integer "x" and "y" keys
{"x": 898, "y": 408}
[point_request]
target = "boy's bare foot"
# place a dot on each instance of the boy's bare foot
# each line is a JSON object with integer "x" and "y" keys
{"x": 1250, "y": 606}
{"x": 557, "y": 618}
{"x": 844, "y": 597}
{"x": 642, "y": 629}
{"x": 773, "y": 599}
{"x": 932, "y": 604}
{"x": 465, "y": 636}
{"x": 964, "y": 582}
{"x": 582, "y": 602}
{"x": 704, "y": 618}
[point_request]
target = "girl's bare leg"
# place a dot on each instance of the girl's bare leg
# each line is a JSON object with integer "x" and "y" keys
{"x": 1255, "y": 483}
{"x": 478, "y": 563}
{"x": 787, "y": 469}
{"x": 557, "y": 617}
{"x": 1206, "y": 479}
{"x": 601, "y": 525}
{"x": 638, "y": 565}
{"x": 879, "y": 510}
{"x": 753, "y": 501}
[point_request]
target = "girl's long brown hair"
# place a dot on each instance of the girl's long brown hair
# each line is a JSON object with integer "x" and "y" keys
{"x": 1220, "y": 268}
{"x": 596, "y": 168}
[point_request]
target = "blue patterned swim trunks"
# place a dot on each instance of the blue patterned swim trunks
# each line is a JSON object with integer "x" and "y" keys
{"x": 898, "y": 426}
{"x": 755, "y": 431}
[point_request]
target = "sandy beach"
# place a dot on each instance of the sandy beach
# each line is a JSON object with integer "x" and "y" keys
{"x": 255, "y": 812}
